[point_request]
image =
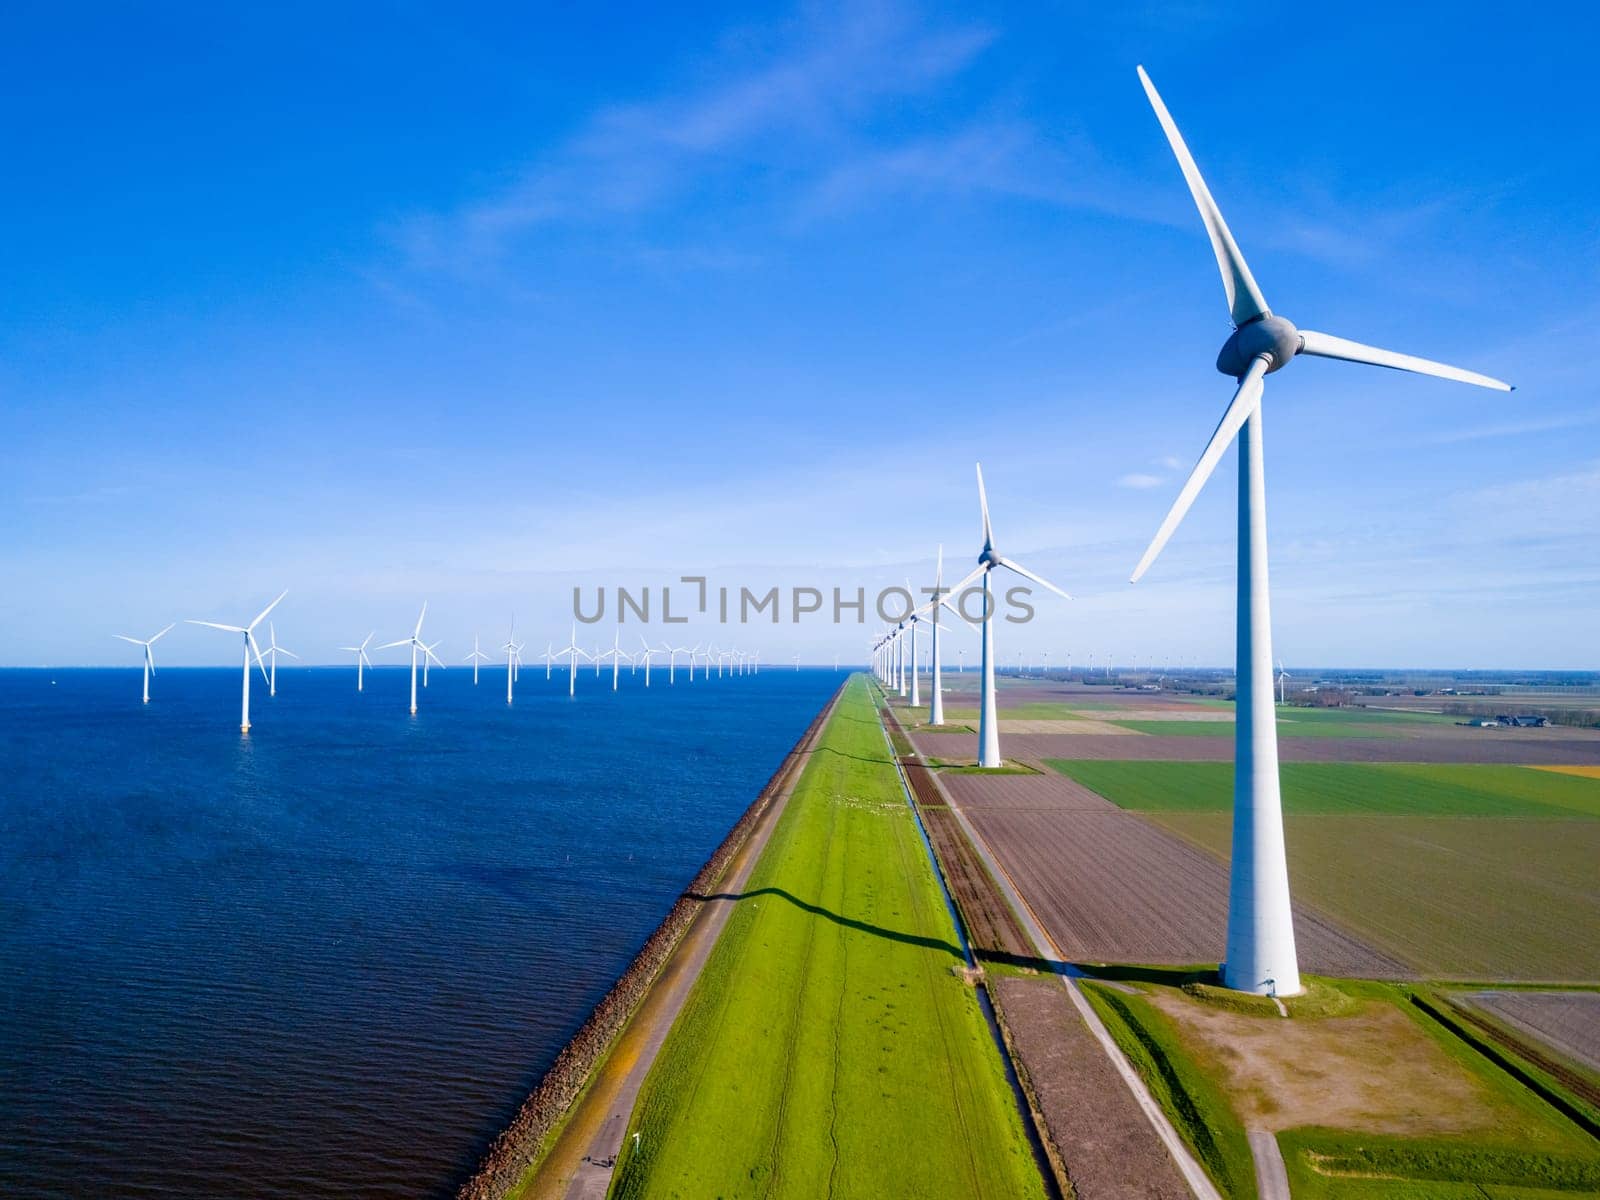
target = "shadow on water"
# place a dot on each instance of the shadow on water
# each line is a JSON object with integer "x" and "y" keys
{"x": 893, "y": 935}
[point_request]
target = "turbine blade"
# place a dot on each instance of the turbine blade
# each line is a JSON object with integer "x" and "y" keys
{"x": 368, "y": 638}
{"x": 983, "y": 503}
{"x": 428, "y": 650}
{"x": 251, "y": 638}
{"x": 122, "y": 637}
{"x": 391, "y": 645}
{"x": 149, "y": 658}
{"x": 1012, "y": 565}
{"x": 164, "y": 632}
{"x": 216, "y": 625}
{"x": 269, "y": 608}
{"x": 420, "y": 615}
{"x": 1325, "y": 345}
{"x": 290, "y": 653}
{"x": 1245, "y": 302}
{"x": 1245, "y": 401}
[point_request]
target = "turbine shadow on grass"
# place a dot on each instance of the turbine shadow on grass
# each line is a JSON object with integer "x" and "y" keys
{"x": 893, "y": 935}
{"x": 866, "y": 758}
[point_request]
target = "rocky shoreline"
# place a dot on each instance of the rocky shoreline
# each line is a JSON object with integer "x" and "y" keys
{"x": 515, "y": 1149}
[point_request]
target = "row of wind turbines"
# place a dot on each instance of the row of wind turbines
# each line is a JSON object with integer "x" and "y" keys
{"x": 729, "y": 661}
{"x": 1260, "y": 954}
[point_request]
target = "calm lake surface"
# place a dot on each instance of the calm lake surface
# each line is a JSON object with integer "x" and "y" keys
{"x": 330, "y": 958}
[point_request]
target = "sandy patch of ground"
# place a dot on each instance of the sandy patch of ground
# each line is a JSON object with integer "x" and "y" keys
{"x": 1375, "y": 1070}
{"x": 1591, "y": 772}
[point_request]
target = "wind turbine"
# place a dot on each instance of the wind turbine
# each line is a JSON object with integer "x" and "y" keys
{"x": 1260, "y": 945}
{"x": 941, "y": 599}
{"x": 571, "y": 650}
{"x": 616, "y": 654}
{"x": 249, "y": 646}
{"x": 272, "y": 651}
{"x": 361, "y": 657}
{"x": 415, "y": 642}
{"x": 988, "y": 561}
{"x": 149, "y": 659}
{"x": 513, "y": 650}
{"x": 797, "y": 662}
{"x": 648, "y": 652}
{"x": 476, "y": 657}
{"x": 1283, "y": 676}
{"x": 430, "y": 656}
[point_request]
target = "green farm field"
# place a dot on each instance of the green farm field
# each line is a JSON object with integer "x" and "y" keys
{"x": 1466, "y": 872}
{"x": 830, "y": 1046}
{"x": 1306, "y": 722}
{"x": 1392, "y": 789}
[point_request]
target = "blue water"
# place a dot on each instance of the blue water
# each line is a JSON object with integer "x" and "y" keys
{"x": 331, "y": 957}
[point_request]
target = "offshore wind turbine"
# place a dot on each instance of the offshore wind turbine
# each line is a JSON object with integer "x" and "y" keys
{"x": 513, "y": 650}
{"x": 361, "y": 657}
{"x": 149, "y": 659}
{"x": 249, "y": 645}
{"x": 648, "y": 652}
{"x": 430, "y": 656}
{"x": 572, "y": 650}
{"x": 272, "y": 651}
{"x": 1260, "y": 944}
{"x": 477, "y": 656}
{"x": 988, "y": 561}
{"x": 616, "y": 654}
{"x": 415, "y": 642}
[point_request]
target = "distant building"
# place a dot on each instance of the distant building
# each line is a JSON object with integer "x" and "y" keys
{"x": 1525, "y": 721}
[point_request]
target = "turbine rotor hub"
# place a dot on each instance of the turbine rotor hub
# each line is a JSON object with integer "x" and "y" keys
{"x": 1273, "y": 336}
{"x": 987, "y": 557}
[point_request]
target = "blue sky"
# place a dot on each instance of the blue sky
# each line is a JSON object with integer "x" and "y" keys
{"x": 477, "y": 306}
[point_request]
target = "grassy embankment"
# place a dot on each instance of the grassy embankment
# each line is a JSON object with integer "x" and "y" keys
{"x": 1464, "y": 871}
{"x": 1369, "y": 1096}
{"x": 831, "y": 1045}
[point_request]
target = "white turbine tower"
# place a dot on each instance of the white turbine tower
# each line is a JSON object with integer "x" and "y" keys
{"x": 149, "y": 659}
{"x": 427, "y": 657}
{"x": 1283, "y": 677}
{"x": 648, "y": 652}
{"x": 941, "y": 599}
{"x": 477, "y": 656}
{"x": 415, "y": 642}
{"x": 988, "y": 560}
{"x": 361, "y": 657}
{"x": 616, "y": 654}
{"x": 272, "y": 651}
{"x": 249, "y": 647}
{"x": 513, "y": 651}
{"x": 572, "y": 651}
{"x": 1260, "y": 944}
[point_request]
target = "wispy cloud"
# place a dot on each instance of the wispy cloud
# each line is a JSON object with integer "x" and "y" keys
{"x": 1139, "y": 480}
{"x": 834, "y": 70}
{"x": 1515, "y": 428}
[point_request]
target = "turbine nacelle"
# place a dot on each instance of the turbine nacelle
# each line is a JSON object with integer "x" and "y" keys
{"x": 1272, "y": 337}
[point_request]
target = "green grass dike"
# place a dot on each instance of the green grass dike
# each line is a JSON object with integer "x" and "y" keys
{"x": 830, "y": 1047}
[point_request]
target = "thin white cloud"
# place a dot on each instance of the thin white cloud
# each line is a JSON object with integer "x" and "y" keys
{"x": 629, "y": 158}
{"x": 1139, "y": 480}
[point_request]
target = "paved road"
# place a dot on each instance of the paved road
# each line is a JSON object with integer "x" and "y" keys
{"x": 1272, "y": 1177}
{"x": 600, "y": 1122}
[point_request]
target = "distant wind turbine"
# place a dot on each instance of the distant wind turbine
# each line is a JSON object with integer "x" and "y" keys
{"x": 415, "y": 642}
{"x": 272, "y": 651}
{"x": 572, "y": 652}
{"x": 149, "y": 659}
{"x": 477, "y": 656}
{"x": 513, "y": 651}
{"x": 249, "y": 646}
{"x": 1260, "y": 951}
{"x": 1283, "y": 677}
{"x": 361, "y": 657}
{"x": 988, "y": 561}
